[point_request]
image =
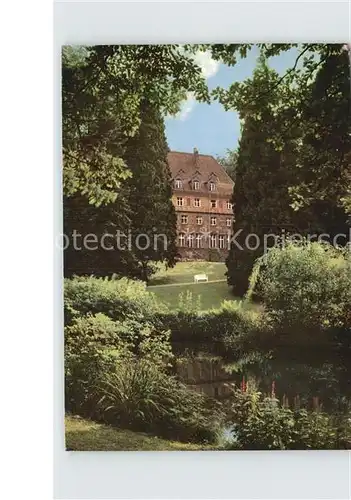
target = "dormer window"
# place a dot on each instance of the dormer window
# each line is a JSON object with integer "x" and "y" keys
{"x": 178, "y": 184}
{"x": 211, "y": 186}
{"x": 196, "y": 185}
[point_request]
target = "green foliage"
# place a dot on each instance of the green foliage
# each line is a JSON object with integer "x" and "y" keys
{"x": 117, "y": 299}
{"x": 305, "y": 287}
{"x": 140, "y": 394}
{"x": 226, "y": 331}
{"x": 103, "y": 88}
{"x": 262, "y": 423}
{"x": 150, "y": 192}
{"x": 229, "y": 162}
{"x": 143, "y": 215}
{"x": 264, "y": 169}
{"x": 188, "y": 302}
{"x": 293, "y": 164}
{"x": 117, "y": 353}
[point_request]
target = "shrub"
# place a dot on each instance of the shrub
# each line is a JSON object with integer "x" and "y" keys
{"x": 188, "y": 302}
{"x": 88, "y": 353}
{"x": 223, "y": 331}
{"x": 140, "y": 395}
{"x": 259, "y": 423}
{"x": 304, "y": 285}
{"x": 314, "y": 430}
{"x": 94, "y": 344}
{"x": 262, "y": 423}
{"x": 117, "y": 299}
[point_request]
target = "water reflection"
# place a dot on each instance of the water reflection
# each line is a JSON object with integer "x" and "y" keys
{"x": 206, "y": 376}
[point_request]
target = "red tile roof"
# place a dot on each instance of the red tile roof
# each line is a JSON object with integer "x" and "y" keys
{"x": 189, "y": 165}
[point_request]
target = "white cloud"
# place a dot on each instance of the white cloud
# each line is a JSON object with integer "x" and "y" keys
{"x": 209, "y": 67}
{"x": 186, "y": 107}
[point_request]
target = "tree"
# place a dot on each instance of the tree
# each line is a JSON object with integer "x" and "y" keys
{"x": 264, "y": 171}
{"x": 311, "y": 121}
{"x": 102, "y": 91}
{"x": 153, "y": 217}
{"x": 325, "y": 156}
{"x": 140, "y": 224}
{"x": 229, "y": 161}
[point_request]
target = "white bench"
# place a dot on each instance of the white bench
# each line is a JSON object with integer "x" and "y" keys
{"x": 200, "y": 277}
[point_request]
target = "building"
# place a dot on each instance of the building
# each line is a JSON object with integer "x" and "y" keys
{"x": 202, "y": 191}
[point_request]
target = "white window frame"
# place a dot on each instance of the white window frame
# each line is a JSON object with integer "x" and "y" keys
{"x": 198, "y": 240}
{"x": 213, "y": 241}
{"x": 229, "y": 222}
{"x": 182, "y": 240}
{"x": 184, "y": 219}
{"x": 191, "y": 240}
{"x": 180, "y": 201}
{"x": 196, "y": 185}
{"x": 215, "y": 221}
{"x": 212, "y": 186}
{"x": 221, "y": 241}
{"x": 197, "y": 202}
{"x": 229, "y": 205}
{"x": 199, "y": 220}
{"x": 178, "y": 184}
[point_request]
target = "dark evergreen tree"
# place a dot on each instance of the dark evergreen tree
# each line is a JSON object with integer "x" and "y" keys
{"x": 153, "y": 217}
{"x": 136, "y": 230}
{"x": 264, "y": 171}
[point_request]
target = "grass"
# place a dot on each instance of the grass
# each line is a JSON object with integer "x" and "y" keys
{"x": 181, "y": 277}
{"x": 183, "y": 272}
{"x": 86, "y": 435}
{"x": 211, "y": 294}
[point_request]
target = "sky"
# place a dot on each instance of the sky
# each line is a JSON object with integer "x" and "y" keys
{"x": 210, "y": 128}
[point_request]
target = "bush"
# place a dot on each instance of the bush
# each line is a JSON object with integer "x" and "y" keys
{"x": 304, "y": 285}
{"x": 116, "y": 372}
{"x": 262, "y": 423}
{"x": 94, "y": 344}
{"x": 140, "y": 395}
{"x": 117, "y": 299}
{"x": 223, "y": 331}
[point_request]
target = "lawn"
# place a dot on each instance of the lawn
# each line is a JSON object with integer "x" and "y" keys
{"x": 85, "y": 435}
{"x": 183, "y": 272}
{"x": 167, "y": 284}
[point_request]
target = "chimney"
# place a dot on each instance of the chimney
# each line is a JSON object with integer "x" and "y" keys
{"x": 196, "y": 156}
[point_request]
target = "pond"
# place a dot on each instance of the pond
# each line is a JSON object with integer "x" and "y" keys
{"x": 294, "y": 383}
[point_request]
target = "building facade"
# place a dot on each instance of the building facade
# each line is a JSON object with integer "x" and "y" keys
{"x": 202, "y": 191}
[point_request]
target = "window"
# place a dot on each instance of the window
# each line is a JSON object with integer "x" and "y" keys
{"x": 228, "y": 241}
{"x": 229, "y": 205}
{"x": 198, "y": 240}
{"x": 212, "y": 186}
{"x": 199, "y": 221}
{"x": 180, "y": 201}
{"x": 184, "y": 219}
{"x": 213, "y": 241}
{"x": 178, "y": 184}
{"x": 181, "y": 240}
{"x": 196, "y": 185}
{"x": 221, "y": 241}
{"x": 213, "y": 221}
{"x": 196, "y": 202}
{"x": 191, "y": 239}
{"x": 229, "y": 222}
{"x": 213, "y": 203}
